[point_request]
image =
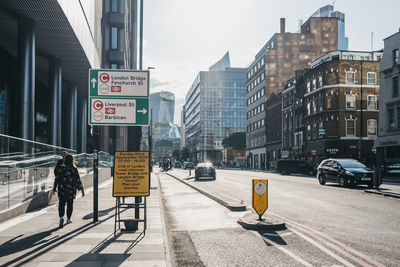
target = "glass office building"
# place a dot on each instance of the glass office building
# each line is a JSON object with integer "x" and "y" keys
{"x": 162, "y": 106}
{"x": 215, "y": 108}
{"x": 327, "y": 11}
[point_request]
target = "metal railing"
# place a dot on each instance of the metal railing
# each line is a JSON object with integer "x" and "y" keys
{"x": 27, "y": 168}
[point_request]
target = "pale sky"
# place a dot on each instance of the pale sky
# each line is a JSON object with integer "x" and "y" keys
{"x": 183, "y": 37}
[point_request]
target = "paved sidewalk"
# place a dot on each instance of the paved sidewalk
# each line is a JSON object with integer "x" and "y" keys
{"x": 34, "y": 239}
{"x": 387, "y": 189}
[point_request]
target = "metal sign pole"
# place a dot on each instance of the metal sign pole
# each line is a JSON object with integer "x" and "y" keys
{"x": 95, "y": 186}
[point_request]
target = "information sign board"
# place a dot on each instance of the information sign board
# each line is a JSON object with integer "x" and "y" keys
{"x": 131, "y": 174}
{"x": 260, "y": 195}
{"x": 118, "y": 97}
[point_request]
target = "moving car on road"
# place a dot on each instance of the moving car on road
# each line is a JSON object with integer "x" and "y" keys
{"x": 288, "y": 166}
{"x": 345, "y": 172}
{"x": 204, "y": 170}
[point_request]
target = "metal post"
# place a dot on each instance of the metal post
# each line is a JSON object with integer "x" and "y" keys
{"x": 95, "y": 186}
{"x": 141, "y": 36}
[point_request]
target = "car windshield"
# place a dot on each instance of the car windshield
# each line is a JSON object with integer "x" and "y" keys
{"x": 351, "y": 164}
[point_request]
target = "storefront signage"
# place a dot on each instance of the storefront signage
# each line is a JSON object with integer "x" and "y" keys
{"x": 332, "y": 150}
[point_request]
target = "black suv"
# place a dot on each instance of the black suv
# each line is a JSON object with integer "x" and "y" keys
{"x": 345, "y": 172}
{"x": 288, "y": 166}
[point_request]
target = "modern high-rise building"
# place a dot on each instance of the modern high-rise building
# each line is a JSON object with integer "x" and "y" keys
{"x": 46, "y": 50}
{"x": 276, "y": 63}
{"x": 327, "y": 11}
{"x": 119, "y": 51}
{"x": 162, "y": 106}
{"x": 214, "y": 109}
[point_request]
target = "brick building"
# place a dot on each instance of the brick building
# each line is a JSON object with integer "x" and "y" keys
{"x": 341, "y": 106}
{"x": 274, "y": 132}
{"x": 274, "y": 64}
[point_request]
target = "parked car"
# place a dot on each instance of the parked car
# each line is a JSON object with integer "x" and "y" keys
{"x": 187, "y": 165}
{"x": 288, "y": 166}
{"x": 204, "y": 170}
{"x": 345, "y": 172}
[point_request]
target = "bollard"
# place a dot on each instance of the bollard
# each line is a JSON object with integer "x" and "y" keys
{"x": 190, "y": 171}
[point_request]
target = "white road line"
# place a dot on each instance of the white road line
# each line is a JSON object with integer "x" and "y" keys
{"x": 327, "y": 251}
{"x": 287, "y": 252}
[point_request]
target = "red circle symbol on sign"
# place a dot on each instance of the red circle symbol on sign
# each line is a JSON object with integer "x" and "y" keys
{"x": 104, "y": 77}
{"x": 97, "y": 105}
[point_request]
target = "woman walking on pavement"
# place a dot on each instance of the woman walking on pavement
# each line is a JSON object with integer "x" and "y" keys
{"x": 67, "y": 184}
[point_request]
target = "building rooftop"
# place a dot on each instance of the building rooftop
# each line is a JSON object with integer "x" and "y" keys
{"x": 347, "y": 55}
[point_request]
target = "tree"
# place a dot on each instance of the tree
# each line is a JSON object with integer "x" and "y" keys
{"x": 185, "y": 153}
{"x": 236, "y": 140}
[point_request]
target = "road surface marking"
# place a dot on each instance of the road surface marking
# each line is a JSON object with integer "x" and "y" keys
{"x": 287, "y": 252}
{"x": 327, "y": 251}
{"x": 340, "y": 247}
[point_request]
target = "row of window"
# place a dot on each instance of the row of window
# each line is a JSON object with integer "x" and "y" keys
{"x": 256, "y": 125}
{"x": 257, "y": 141}
{"x": 372, "y": 103}
{"x": 255, "y": 68}
{"x": 350, "y": 79}
{"x": 392, "y": 119}
{"x": 256, "y": 82}
{"x": 255, "y": 97}
{"x": 255, "y": 111}
{"x": 313, "y": 130}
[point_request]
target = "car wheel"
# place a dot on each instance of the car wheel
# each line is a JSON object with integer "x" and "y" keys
{"x": 321, "y": 179}
{"x": 342, "y": 181}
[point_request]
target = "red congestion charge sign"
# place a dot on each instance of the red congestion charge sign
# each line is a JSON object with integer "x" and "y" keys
{"x": 104, "y": 77}
{"x": 97, "y": 105}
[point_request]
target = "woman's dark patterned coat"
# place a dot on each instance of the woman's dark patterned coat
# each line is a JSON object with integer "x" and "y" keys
{"x": 68, "y": 183}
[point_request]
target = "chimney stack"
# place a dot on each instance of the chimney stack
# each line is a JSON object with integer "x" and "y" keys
{"x": 282, "y": 25}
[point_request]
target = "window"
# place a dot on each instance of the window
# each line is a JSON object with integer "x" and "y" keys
{"x": 262, "y": 92}
{"x": 395, "y": 57}
{"x": 314, "y": 84}
{"x": 262, "y": 61}
{"x": 114, "y": 38}
{"x": 314, "y": 106}
{"x": 350, "y": 101}
{"x": 262, "y": 122}
{"x": 262, "y": 107}
{"x": 350, "y": 77}
{"x": 391, "y": 118}
{"x": 308, "y": 108}
{"x": 308, "y": 132}
{"x": 371, "y": 127}
{"x": 320, "y": 81}
{"x": 350, "y": 127}
{"x": 114, "y": 66}
{"x": 395, "y": 86}
{"x": 371, "y": 102}
{"x": 320, "y": 129}
{"x": 314, "y": 131}
{"x": 262, "y": 76}
{"x": 371, "y": 78}
{"x": 308, "y": 86}
{"x": 114, "y": 6}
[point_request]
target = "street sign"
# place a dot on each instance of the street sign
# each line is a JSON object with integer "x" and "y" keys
{"x": 260, "y": 196}
{"x": 118, "y": 111}
{"x": 118, "y": 97}
{"x": 131, "y": 174}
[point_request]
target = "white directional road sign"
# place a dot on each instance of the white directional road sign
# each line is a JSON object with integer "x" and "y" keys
{"x": 118, "y": 97}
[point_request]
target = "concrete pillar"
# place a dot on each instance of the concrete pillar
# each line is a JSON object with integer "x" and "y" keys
{"x": 26, "y": 64}
{"x": 82, "y": 122}
{"x": 55, "y": 102}
{"x": 72, "y": 116}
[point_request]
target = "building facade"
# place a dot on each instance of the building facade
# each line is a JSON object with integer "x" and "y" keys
{"x": 388, "y": 142}
{"x": 327, "y": 11}
{"x": 162, "y": 105}
{"x": 274, "y": 132}
{"x": 341, "y": 106}
{"x": 46, "y": 51}
{"x": 119, "y": 51}
{"x": 214, "y": 109}
{"x": 276, "y": 63}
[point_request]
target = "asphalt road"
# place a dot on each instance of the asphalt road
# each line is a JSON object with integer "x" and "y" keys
{"x": 327, "y": 225}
